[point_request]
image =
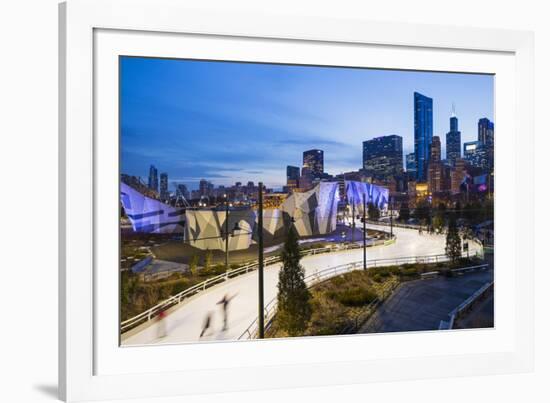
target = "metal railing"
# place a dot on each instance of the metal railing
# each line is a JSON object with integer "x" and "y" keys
{"x": 191, "y": 291}
{"x": 322, "y": 275}
{"x": 467, "y": 304}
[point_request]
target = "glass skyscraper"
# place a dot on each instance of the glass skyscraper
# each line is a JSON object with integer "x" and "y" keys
{"x": 383, "y": 156}
{"x": 485, "y": 132}
{"x": 486, "y": 140}
{"x": 153, "y": 183}
{"x": 453, "y": 141}
{"x": 313, "y": 163}
{"x": 292, "y": 173}
{"x": 164, "y": 195}
{"x": 411, "y": 162}
{"x": 423, "y": 133}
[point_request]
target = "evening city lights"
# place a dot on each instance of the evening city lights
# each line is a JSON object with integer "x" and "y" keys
{"x": 268, "y": 200}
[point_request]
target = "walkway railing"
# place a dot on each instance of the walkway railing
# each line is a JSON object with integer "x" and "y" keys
{"x": 322, "y": 275}
{"x": 189, "y": 292}
{"x": 467, "y": 304}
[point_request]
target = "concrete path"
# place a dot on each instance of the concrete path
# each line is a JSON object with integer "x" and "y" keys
{"x": 422, "y": 304}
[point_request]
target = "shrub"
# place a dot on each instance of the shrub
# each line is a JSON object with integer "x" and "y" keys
{"x": 355, "y": 296}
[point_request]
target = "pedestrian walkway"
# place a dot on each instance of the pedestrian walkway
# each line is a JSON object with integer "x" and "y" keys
{"x": 422, "y": 304}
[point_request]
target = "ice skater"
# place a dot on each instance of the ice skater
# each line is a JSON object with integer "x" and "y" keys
{"x": 206, "y": 325}
{"x": 161, "y": 329}
{"x": 224, "y": 302}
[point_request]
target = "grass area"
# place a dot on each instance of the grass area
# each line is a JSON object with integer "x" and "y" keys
{"x": 342, "y": 304}
{"x": 137, "y": 295}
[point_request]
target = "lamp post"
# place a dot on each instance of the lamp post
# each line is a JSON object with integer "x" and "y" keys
{"x": 260, "y": 261}
{"x": 226, "y": 233}
{"x": 391, "y": 218}
{"x": 352, "y": 221}
{"x": 364, "y": 233}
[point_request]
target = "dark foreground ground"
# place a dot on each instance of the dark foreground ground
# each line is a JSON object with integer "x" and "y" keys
{"x": 422, "y": 304}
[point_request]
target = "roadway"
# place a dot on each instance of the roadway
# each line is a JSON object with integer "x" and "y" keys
{"x": 184, "y": 322}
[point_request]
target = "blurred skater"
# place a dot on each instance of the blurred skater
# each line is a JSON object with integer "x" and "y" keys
{"x": 161, "y": 329}
{"x": 224, "y": 302}
{"x": 206, "y": 325}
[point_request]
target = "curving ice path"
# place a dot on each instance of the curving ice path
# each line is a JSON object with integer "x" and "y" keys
{"x": 185, "y": 322}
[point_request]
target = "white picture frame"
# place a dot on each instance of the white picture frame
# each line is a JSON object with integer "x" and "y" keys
{"x": 92, "y": 367}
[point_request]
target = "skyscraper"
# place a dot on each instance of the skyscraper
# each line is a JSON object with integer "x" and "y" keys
{"x": 410, "y": 163}
{"x": 486, "y": 139}
{"x": 435, "y": 150}
{"x": 181, "y": 190}
{"x": 292, "y": 177}
{"x": 471, "y": 152}
{"x": 423, "y": 132}
{"x": 383, "y": 156}
{"x": 436, "y": 168}
{"x": 292, "y": 173}
{"x": 313, "y": 163}
{"x": 457, "y": 175}
{"x": 153, "y": 183}
{"x": 485, "y": 132}
{"x": 164, "y": 186}
{"x": 204, "y": 188}
{"x": 453, "y": 141}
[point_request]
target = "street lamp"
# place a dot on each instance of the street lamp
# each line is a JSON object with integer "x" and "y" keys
{"x": 391, "y": 218}
{"x": 352, "y": 220}
{"x": 364, "y": 233}
{"x": 260, "y": 261}
{"x": 226, "y": 233}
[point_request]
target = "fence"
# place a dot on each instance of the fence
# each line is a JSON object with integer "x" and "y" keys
{"x": 189, "y": 292}
{"x": 319, "y": 276}
{"x": 466, "y": 305}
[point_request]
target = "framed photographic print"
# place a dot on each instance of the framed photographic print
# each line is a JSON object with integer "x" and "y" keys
{"x": 275, "y": 201}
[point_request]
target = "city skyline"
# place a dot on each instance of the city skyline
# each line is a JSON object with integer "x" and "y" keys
{"x": 263, "y": 116}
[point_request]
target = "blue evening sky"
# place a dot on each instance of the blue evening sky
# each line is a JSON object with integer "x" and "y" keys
{"x": 229, "y": 122}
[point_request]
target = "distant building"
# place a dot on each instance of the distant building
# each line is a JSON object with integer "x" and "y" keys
{"x": 457, "y": 175}
{"x": 153, "y": 182}
{"x": 485, "y": 132}
{"x": 421, "y": 190}
{"x": 436, "y": 169}
{"x": 181, "y": 190}
{"x": 478, "y": 155}
{"x": 383, "y": 156}
{"x": 435, "y": 177}
{"x": 410, "y": 163}
{"x": 292, "y": 178}
{"x": 423, "y": 133}
{"x": 313, "y": 163}
{"x": 203, "y": 187}
{"x": 471, "y": 152}
{"x": 486, "y": 138}
{"x": 164, "y": 195}
{"x": 435, "y": 150}
{"x": 292, "y": 172}
{"x": 305, "y": 181}
{"x": 453, "y": 141}
{"x": 411, "y": 189}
